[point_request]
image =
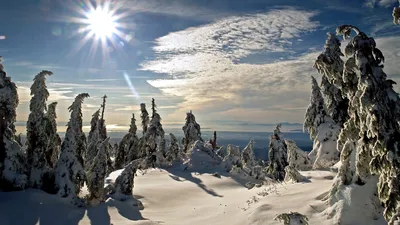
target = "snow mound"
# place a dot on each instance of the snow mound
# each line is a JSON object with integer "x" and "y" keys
{"x": 201, "y": 157}
{"x": 325, "y": 153}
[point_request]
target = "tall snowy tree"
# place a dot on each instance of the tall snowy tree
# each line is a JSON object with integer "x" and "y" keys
{"x": 371, "y": 137}
{"x": 36, "y": 134}
{"x": 54, "y": 141}
{"x": 69, "y": 170}
{"x": 145, "y": 117}
{"x": 173, "y": 152}
{"x": 128, "y": 147}
{"x": 102, "y": 124}
{"x": 277, "y": 155}
{"x": 97, "y": 173}
{"x": 191, "y": 130}
{"x": 93, "y": 139}
{"x": 12, "y": 158}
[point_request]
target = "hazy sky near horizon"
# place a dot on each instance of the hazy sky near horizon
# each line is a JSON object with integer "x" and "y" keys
{"x": 237, "y": 64}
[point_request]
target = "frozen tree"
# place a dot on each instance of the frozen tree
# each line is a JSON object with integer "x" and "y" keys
{"x": 316, "y": 112}
{"x": 248, "y": 157}
{"x": 93, "y": 139}
{"x": 155, "y": 138}
{"x": 69, "y": 170}
{"x": 145, "y": 117}
{"x": 125, "y": 181}
{"x": 128, "y": 147}
{"x": 277, "y": 155}
{"x": 36, "y": 134}
{"x": 102, "y": 124}
{"x": 173, "y": 152}
{"x": 370, "y": 138}
{"x": 114, "y": 151}
{"x": 233, "y": 158}
{"x": 54, "y": 140}
{"x": 191, "y": 131}
{"x": 97, "y": 173}
{"x": 396, "y": 15}
{"x": 292, "y": 218}
{"x": 296, "y": 157}
{"x": 8, "y": 105}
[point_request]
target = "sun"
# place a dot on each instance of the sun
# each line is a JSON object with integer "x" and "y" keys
{"x": 102, "y": 23}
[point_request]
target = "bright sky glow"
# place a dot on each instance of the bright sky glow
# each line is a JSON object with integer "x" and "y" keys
{"x": 101, "y": 23}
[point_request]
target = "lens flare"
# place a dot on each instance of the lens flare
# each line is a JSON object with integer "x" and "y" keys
{"x": 130, "y": 85}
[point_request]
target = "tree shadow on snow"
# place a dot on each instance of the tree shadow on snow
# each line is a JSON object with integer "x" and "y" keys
{"x": 99, "y": 215}
{"x": 126, "y": 209}
{"x": 33, "y": 207}
{"x": 176, "y": 175}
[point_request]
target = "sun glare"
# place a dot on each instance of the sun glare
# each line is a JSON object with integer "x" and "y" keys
{"x": 101, "y": 23}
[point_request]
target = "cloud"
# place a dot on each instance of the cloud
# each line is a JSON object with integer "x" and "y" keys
{"x": 100, "y": 80}
{"x": 381, "y": 3}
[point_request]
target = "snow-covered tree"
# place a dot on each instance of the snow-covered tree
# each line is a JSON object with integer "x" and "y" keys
{"x": 155, "y": 137}
{"x": 370, "y": 138}
{"x": 36, "y": 134}
{"x": 128, "y": 147}
{"x": 97, "y": 173}
{"x": 191, "y": 130}
{"x": 93, "y": 139}
{"x": 316, "y": 112}
{"x": 277, "y": 155}
{"x": 173, "y": 152}
{"x": 296, "y": 157}
{"x": 102, "y": 123}
{"x": 248, "y": 156}
{"x": 145, "y": 117}
{"x": 292, "y": 218}
{"x": 54, "y": 140}
{"x": 8, "y": 105}
{"x": 396, "y": 15}
{"x": 124, "y": 182}
{"x": 233, "y": 158}
{"x": 69, "y": 170}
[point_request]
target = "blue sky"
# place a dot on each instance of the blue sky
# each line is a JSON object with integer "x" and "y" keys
{"x": 237, "y": 64}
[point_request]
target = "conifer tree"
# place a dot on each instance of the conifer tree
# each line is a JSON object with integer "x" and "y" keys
{"x": 36, "y": 135}
{"x": 173, "y": 152}
{"x": 396, "y": 15}
{"x": 54, "y": 140}
{"x": 102, "y": 127}
{"x": 97, "y": 174}
{"x": 93, "y": 139}
{"x": 69, "y": 170}
{"x": 277, "y": 155}
{"x": 145, "y": 117}
{"x": 372, "y": 133}
{"x": 191, "y": 132}
{"x": 128, "y": 147}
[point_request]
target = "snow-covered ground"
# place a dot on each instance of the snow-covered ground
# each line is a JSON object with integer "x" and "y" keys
{"x": 180, "y": 197}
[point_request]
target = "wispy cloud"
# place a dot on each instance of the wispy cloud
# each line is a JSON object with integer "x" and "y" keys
{"x": 101, "y": 80}
{"x": 381, "y": 3}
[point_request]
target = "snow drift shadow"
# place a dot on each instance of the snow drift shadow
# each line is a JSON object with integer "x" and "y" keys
{"x": 176, "y": 175}
{"x": 37, "y": 207}
{"x": 99, "y": 215}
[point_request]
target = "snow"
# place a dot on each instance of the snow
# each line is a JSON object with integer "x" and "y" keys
{"x": 180, "y": 197}
{"x": 325, "y": 146}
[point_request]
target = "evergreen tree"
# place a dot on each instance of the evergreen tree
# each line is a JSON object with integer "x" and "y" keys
{"x": 145, "y": 117}
{"x": 54, "y": 140}
{"x": 36, "y": 136}
{"x": 316, "y": 113}
{"x": 370, "y": 138}
{"x": 296, "y": 157}
{"x": 93, "y": 139}
{"x": 233, "y": 158}
{"x": 69, "y": 170}
{"x": 248, "y": 156}
{"x": 277, "y": 155}
{"x": 102, "y": 127}
{"x": 173, "y": 152}
{"x": 154, "y": 140}
{"x": 191, "y": 132}
{"x": 124, "y": 182}
{"x": 396, "y": 15}
{"x": 128, "y": 147}
{"x": 97, "y": 174}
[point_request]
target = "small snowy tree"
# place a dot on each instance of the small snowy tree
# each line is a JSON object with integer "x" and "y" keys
{"x": 145, "y": 117}
{"x": 128, "y": 147}
{"x": 248, "y": 157}
{"x": 296, "y": 157}
{"x": 292, "y": 218}
{"x": 54, "y": 140}
{"x": 154, "y": 138}
{"x": 93, "y": 139}
{"x": 69, "y": 170}
{"x": 396, "y": 15}
{"x": 191, "y": 131}
{"x": 233, "y": 158}
{"x": 124, "y": 182}
{"x": 97, "y": 174}
{"x": 36, "y": 134}
{"x": 277, "y": 155}
{"x": 173, "y": 152}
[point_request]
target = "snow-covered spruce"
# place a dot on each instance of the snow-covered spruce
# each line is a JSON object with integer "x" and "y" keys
{"x": 277, "y": 155}
{"x": 69, "y": 170}
{"x": 249, "y": 163}
{"x": 97, "y": 173}
{"x": 124, "y": 183}
{"x": 54, "y": 140}
{"x": 102, "y": 123}
{"x": 173, "y": 153}
{"x": 370, "y": 137}
{"x": 233, "y": 158}
{"x": 191, "y": 132}
{"x": 145, "y": 117}
{"x": 36, "y": 134}
{"x": 93, "y": 139}
{"x": 293, "y": 175}
{"x": 128, "y": 147}
{"x": 292, "y": 218}
{"x": 297, "y": 158}
{"x": 396, "y": 15}
{"x": 201, "y": 156}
